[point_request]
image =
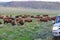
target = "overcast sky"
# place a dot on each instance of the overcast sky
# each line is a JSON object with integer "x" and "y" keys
{"x": 29, "y": 0}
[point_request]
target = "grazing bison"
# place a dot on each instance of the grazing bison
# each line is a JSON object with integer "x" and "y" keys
{"x": 9, "y": 20}
{"x": 20, "y": 21}
{"x": 24, "y": 16}
{"x": 45, "y": 19}
{"x": 6, "y": 19}
{"x": 28, "y": 19}
{"x": 32, "y": 16}
{"x": 45, "y": 15}
{"x": 12, "y": 21}
{"x": 53, "y": 18}
{"x": 28, "y": 15}
{"x": 20, "y": 15}
{"x": 37, "y": 16}
{"x": 16, "y": 16}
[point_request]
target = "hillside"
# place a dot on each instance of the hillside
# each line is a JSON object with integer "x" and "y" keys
{"x": 32, "y": 4}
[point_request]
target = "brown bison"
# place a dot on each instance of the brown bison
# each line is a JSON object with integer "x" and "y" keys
{"x": 37, "y": 16}
{"x": 24, "y": 16}
{"x": 45, "y": 19}
{"x": 20, "y": 21}
{"x": 12, "y": 21}
{"x": 16, "y": 16}
{"x": 53, "y": 18}
{"x": 6, "y": 19}
{"x": 45, "y": 15}
{"x": 28, "y": 19}
{"x": 32, "y": 16}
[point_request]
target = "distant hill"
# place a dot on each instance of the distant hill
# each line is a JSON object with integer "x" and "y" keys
{"x": 32, "y": 4}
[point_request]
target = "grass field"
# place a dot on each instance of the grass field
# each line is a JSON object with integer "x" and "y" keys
{"x": 30, "y": 31}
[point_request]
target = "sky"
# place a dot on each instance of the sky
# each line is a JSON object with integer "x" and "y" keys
{"x": 30, "y": 0}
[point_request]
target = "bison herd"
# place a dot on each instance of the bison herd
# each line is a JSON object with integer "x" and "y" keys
{"x": 21, "y": 19}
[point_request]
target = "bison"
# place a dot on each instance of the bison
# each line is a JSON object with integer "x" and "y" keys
{"x": 45, "y": 19}
{"x": 6, "y": 19}
{"x": 53, "y": 18}
{"x": 28, "y": 19}
{"x": 32, "y": 16}
{"x": 24, "y": 16}
{"x": 37, "y": 16}
{"x": 20, "y": 21}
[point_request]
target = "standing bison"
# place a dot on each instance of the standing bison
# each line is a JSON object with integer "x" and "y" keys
{"x": 45, "y": 18}
{"x": 10, "y": 20}
{"x": 6, "y": 19}
{"x": 28, "y": 19}
{"x": 19, "y": 20}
